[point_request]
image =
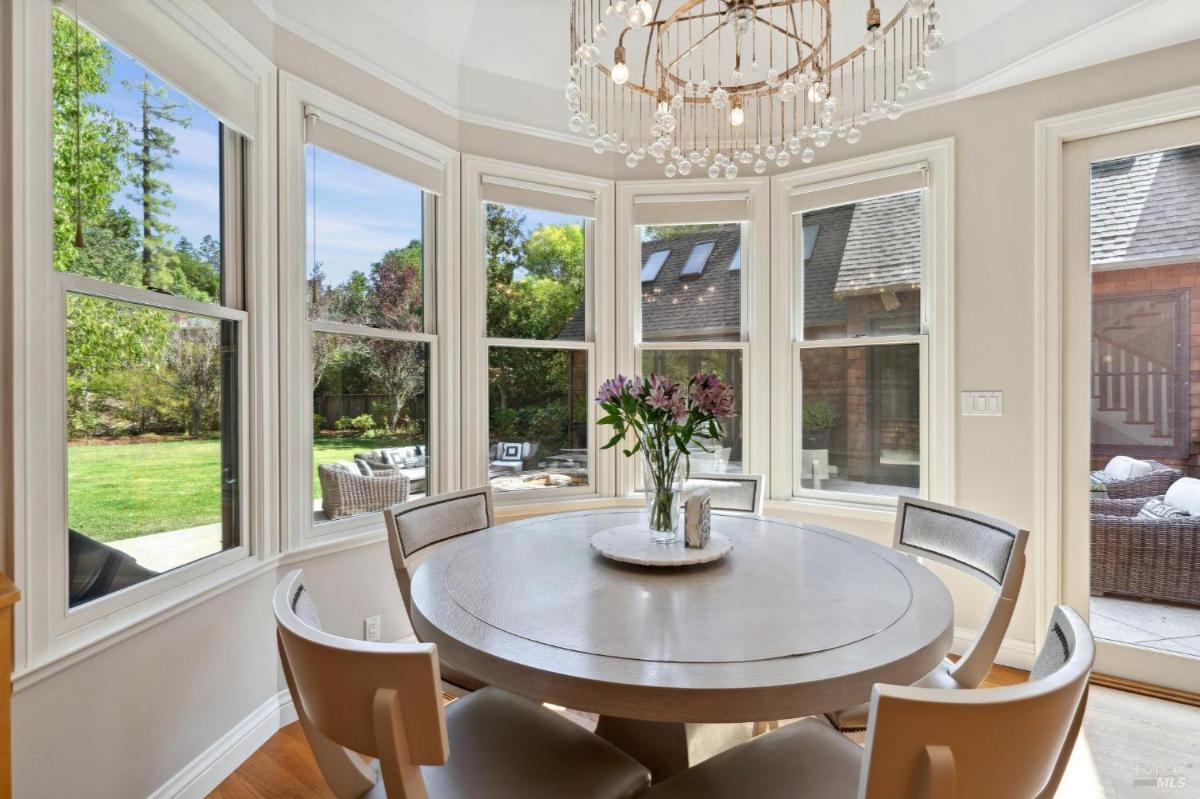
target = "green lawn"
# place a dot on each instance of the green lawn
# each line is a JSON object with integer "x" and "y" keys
{"x": 117, "y": 491}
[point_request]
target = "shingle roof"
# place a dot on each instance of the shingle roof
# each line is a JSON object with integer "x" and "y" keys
{"x": 883, "y": 247}
{"x": 1146, "y": 207}
{"x": 866, "y": 247}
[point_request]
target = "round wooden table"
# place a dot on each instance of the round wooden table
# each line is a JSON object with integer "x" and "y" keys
{"x": 797, "y": 620}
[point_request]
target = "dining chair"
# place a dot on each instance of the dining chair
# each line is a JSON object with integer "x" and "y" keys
{"x": 414, "y": 526}
{"x": 737, "y": 492}
{"x": 381, "y": 700}
{"x": 991, "y": 550}
{"x": 982, "y": 743}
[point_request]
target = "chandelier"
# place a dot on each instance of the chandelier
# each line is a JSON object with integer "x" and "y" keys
{"x": 728, "y": 84}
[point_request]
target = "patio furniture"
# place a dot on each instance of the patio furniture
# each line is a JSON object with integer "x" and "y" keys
{"x": 97, "y": 569}
{"x": 411, "y": 461}
{"x": 737, "y": 492}
{"x": 1137, "y": 483}
{"x": 382, "y": 700}
{"x": 350, "y": 493}
{"x": 991, "y": 743}
{"x": 516, "y": 457}
{"x": 988, "y": 549}
{"x": 1146, "y": 558}
{"x": 415, "y": 526}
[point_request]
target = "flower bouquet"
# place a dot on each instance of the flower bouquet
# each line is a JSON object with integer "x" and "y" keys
{"x": 664, "y": 417}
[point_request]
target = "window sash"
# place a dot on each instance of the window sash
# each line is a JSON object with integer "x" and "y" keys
{"x": 526, "y": 194}
{"x": 326, "y": 130}
{"x": 799, "y": 348}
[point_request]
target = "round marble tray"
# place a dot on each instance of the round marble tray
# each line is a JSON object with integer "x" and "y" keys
{"x": 632, "y": 544}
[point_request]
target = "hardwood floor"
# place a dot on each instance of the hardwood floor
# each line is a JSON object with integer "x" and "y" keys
{"x": 284, "y": 768}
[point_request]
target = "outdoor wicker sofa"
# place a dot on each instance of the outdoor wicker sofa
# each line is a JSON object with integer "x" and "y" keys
{"x": 1147, "y": 558}
{"x": 345, "y": 493}
{"x": 1153, "y": 484}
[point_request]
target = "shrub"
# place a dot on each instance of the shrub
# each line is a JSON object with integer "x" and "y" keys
{"x": 819, "y": 415}
{"x": 362, "y": 423}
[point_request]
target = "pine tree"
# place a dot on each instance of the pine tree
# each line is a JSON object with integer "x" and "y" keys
{"x": 149, "y": 157}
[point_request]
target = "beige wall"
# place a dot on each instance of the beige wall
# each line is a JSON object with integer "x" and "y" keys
{"x": 125, "y": 720}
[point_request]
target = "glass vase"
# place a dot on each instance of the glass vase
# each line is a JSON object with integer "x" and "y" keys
{"x": 664, "y": 487}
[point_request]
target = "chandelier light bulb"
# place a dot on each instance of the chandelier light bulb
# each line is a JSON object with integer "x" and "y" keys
{"x": 620, "y": 73}
{"x": 816, "y": 92}
{"x": 737, "y": 117}
{"x": 871, "y": 41}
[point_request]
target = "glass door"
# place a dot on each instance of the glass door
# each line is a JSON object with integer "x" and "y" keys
{"x": 1132, "y": 324}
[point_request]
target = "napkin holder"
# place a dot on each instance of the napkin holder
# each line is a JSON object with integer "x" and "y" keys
{"x": 697, "y": 519}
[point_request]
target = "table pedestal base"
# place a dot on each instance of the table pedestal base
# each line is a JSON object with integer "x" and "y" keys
{"x": 669, "y": 747}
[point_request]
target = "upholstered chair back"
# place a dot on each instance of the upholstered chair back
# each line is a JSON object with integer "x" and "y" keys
{"x": 992, "y": 743}
{"x": 984, "y": 547}
{"x": 736, "y": 492}
{"x": 380, "y": 700}
{"x": 413, "y": 526}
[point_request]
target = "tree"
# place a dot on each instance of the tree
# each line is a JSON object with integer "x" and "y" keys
{"x": 191, "y": 364}
{"x": 88, "y": 143}
{"x": 149, "y": 157}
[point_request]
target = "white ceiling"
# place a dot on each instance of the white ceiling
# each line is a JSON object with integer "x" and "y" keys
{"x": 505, "y": 61}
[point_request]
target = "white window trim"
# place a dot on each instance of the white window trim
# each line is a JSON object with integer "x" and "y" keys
{"x": 755, "y": 296}
{"x": 938, "y": 408}
{"x": 49, "y": 635}
{"x": 297, "y": 97}
{"x": 598, "y": 339}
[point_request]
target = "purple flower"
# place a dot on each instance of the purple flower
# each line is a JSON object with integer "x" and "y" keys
{"x": 712, "y": 396}
{"x": 662, "y": 391}
{"x": 610, "y": 390}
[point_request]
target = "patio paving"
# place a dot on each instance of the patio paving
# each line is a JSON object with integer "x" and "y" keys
{"x": 1153, "y": 625}
{"x": 162, "y": 552}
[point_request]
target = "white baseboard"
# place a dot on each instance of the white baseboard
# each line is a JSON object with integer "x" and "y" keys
{"x": 1013, "y": 652}
{"x": 200, "y": 777}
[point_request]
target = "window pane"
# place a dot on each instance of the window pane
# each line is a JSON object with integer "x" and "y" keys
{"x": 137, "y": 173}
{"x": 370, "y": 423}
{"x": 537, "y": 418}
{"x": 366, "y": 253}
{"x": 691, "y": 282}
{"x": 536, "y": 269}
{"x": 707, "y": 456}
{"x": 861, "y": 419}
{"x": 152, "y": 455}
{"x": 861, "y": 267}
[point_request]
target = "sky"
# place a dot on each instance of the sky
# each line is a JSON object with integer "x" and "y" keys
{"x": 195, "y": 170}
{"x": 354, "y": 213}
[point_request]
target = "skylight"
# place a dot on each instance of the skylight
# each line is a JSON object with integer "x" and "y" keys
{"x": 654, "y": 265}
{"x": 698, "y": 258}
{"x": 810, "y": 239}
{"x": 736, "y": 263}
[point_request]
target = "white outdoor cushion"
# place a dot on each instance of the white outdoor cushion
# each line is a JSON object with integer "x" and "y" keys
{"x": 350, "y": 467}
{"x": 1123, "y": 467}
{"x": 1156, "y": 509}
{"x": 396, "y": 456}
{"x": 1184, "y": 494}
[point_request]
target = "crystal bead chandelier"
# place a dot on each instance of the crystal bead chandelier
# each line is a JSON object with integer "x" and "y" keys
{"x": 722, "y": 85}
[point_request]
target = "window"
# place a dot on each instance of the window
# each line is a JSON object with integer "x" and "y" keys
{"x": 369, "y": 268}
{"x": 687, "y": 302}
{"x": 538, "y": 382}
{"x": 859, "y": 343}
{"x": 654, "y": 264}
{"x": 698, "y": 258}
{"x": 153, "y": 326}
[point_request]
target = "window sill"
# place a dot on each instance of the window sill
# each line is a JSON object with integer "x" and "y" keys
{"x": 92, "y": 639}
{"x": 834, "y": 508}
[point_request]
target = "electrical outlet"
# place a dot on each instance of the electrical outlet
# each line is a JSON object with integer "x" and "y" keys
{"x": 372, "y": 625}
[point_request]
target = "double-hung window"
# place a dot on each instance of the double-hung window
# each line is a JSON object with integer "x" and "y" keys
{"x": 147, "y": 260}
{"x": 367, "y": 280}
{"x": 530, "y": 326}
{"x": 692, "y": 276}
{"x": 862, "y": 263}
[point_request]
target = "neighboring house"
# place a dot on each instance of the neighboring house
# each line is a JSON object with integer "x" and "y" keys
{"x": 1145, "y": 255}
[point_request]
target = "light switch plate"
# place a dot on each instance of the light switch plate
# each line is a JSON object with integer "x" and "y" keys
{"x": 983, "y": 403}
